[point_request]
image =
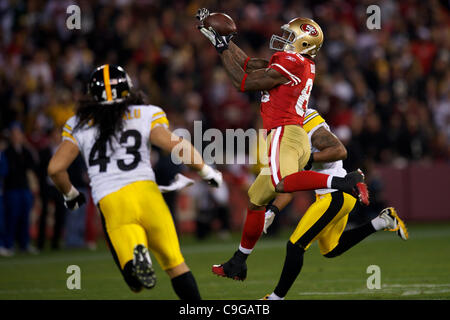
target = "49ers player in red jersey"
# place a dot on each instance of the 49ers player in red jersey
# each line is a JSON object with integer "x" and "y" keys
{"x": 286, "y": 81}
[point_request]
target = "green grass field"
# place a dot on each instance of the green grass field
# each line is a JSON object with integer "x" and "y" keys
{"x": 416, "y": 269}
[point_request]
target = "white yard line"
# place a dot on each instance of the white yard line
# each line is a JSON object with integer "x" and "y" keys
{"x": 399, "y": 289}
{"x": 198, "y": 248}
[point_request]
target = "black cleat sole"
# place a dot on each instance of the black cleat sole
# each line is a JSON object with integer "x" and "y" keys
{"x": 143, "y": 270}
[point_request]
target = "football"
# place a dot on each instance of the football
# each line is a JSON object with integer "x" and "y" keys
{"x": 220, "y": 22}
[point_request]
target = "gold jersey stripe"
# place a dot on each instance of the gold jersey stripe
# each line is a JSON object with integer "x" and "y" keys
{"x": 159, "y": 113}
{"x": 312, "y": 123}
{"x": 310, "y": 115}
{"x": 162, "y": 121}
{"x": 310, "y": 118}
{"x": 68, "y": 135}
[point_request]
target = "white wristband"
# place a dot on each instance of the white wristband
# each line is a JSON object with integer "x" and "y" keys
{"x": 72, "y": 194}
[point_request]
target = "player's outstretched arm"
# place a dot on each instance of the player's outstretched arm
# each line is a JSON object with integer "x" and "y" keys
{"x": 57, "y": 171}
{"x": 282, "y": 200}
{"x": 257, "y": 80}
{"x": 165, "y": 139}
{"x": 222, "y": 43}
{"x": 234, "y": 61}
{"x": 248, "y": 64}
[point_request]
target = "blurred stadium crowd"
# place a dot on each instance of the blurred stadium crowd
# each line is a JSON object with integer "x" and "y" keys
{"x": 384, "y": 92}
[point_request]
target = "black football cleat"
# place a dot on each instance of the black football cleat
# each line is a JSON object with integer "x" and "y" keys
{"x": 353, "y": 183}
{"x": 142, "y": 267}
{"x": 233, "y": 269}
{"x": 360, "y": 189}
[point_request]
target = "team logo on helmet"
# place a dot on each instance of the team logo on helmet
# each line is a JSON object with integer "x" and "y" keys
{"x": 309, "y": 28}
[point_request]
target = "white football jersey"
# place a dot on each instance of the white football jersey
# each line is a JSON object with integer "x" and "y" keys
{"x": 128, "y": 160}
{"x": 311, "y": 123}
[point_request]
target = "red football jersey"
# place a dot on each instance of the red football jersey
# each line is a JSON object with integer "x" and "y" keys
{"x": 286, "y": 104}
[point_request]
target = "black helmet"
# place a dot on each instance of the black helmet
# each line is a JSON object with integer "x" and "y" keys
{"x": 109, "y": 84}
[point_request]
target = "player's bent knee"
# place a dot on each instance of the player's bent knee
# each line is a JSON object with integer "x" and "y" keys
{"x": 295, "y": 248}
{"x": 177, "y": 270}
{"x": 279, "y": 188}
{"x": 332, "y": 254}
{"x": 255, "y": 207}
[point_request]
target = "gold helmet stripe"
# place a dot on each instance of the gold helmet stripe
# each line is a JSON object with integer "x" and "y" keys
{"x": 107, "y": 83}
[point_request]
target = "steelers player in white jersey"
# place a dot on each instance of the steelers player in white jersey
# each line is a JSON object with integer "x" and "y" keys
{"x": 326, "y": 218}
{"x": 114, "y": 130}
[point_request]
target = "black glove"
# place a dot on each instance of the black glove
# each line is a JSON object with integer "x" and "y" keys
{"x": 75, "y": 203}
{"x": 308, "y": 166}
{"x": 219, "y": 42}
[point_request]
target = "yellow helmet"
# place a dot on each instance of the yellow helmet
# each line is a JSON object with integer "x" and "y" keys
{"x": 301, "y": 35}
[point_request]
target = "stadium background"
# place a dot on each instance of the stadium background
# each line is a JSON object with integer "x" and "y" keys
{"x": 385, "y": 93}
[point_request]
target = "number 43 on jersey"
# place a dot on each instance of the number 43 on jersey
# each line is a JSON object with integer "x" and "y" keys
{"x": 98, "y": 155}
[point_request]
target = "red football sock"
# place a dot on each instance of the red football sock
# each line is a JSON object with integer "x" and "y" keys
{"x": 305, "y": 180}
{"x": 253, "y": 227}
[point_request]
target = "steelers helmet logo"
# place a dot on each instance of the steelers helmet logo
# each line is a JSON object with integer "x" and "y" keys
{"x": 310, "y": 29}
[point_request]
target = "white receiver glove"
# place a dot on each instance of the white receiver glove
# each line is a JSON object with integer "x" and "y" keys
{"x": 74, "y": 199}
{"x": 179, "y": 183}
{"x": 210, "y": 175}
{"x": 271, "y": 212}
{"x": 219, "y": 42}
{"x": 202, "y": 14}
{"x": 268, "y": 219}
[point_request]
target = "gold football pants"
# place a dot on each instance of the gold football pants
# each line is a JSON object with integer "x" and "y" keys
{"x": 288, "y": 151}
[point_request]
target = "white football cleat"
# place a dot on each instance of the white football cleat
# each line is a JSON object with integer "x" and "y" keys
{"x": 394, "y": 223}
{"x": 271, "y": 296}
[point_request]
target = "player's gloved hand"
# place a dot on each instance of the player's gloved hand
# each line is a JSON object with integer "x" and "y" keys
{"x": 180, "y": 182}
{"x": 219, "y": 42}
{"x": 74, "y": 199}
{"x": 202, "y": 14}
{"x": 210, "y": 175}
{"x": 310, "y": 162}
{"x": 271, "y": 211}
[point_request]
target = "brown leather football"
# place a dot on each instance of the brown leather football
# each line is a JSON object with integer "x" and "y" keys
{"x": 220, "y": 22}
